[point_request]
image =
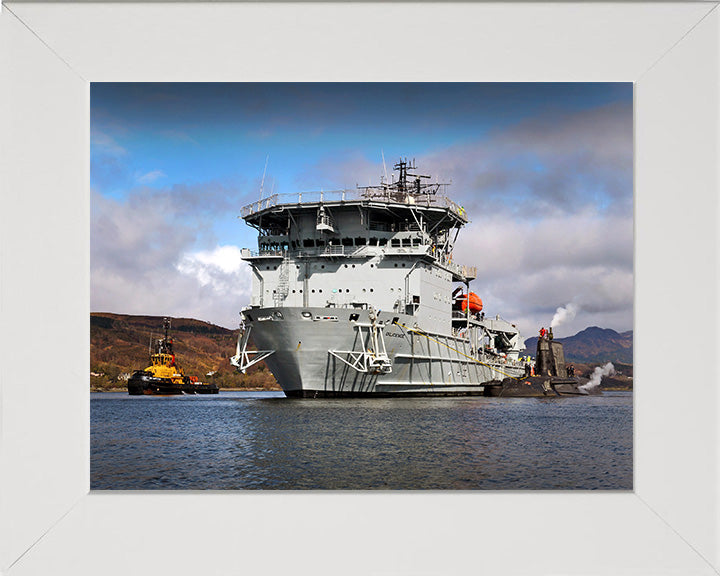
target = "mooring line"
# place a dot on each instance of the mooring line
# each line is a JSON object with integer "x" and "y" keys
{"x": 423, "y": 333}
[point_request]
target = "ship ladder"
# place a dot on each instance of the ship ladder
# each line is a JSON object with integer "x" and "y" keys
{"x": 245, "y": 358}
{"x": 283, "y": 285}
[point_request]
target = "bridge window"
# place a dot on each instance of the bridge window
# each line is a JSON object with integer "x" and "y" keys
{"x": 395, "y": 242}
{"x": 360, "y": 241}
{"x": 347, "y": 241}
{"x": 308, "y": 243}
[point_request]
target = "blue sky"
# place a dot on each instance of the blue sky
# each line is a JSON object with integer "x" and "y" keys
{"x": 172, "y": 165}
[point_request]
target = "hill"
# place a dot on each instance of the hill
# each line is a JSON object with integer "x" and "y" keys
{"x": 119, "y": 344}
{"x": 594, "y": 345}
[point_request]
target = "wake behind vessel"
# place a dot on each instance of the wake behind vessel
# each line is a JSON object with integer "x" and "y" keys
{"x": 352, "y": 295}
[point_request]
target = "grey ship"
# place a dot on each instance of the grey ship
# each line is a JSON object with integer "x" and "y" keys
{"x": 355, "y": 293}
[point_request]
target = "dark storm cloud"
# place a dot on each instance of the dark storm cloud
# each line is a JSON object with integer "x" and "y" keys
{"x": 551, "y": 206}
{"x": 545, "y": 166}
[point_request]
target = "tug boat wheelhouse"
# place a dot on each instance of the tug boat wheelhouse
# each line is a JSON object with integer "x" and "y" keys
{"x": 352, "y": 295}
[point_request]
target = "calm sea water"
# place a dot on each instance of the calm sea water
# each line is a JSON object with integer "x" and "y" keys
{"x": 262, "y": 440}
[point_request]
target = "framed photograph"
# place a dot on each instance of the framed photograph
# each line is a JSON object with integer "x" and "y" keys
{"x": 49, "y": 519}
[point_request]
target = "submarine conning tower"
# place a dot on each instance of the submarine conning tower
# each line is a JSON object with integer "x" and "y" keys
{"x": 550, "y": 357}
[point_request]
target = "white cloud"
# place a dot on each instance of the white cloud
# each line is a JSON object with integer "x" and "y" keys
{"x": 143, "y": 260}
{"x": 150, "y": 177}
{"x": 222, "y": 269}
{"x": 106, "y": 145}
{"x": 527, "y": 270}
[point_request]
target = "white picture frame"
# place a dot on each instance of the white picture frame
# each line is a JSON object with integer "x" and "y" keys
{"x": 51, "y": 523}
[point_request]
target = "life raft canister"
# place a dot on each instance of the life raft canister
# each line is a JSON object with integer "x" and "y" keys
{"x": 473, "y": 301}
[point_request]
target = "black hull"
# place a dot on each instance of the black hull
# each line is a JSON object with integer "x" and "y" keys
{"x": 143, "y": 383}
{"x": 540, "y": 386}
{"x": 192, "y": 388}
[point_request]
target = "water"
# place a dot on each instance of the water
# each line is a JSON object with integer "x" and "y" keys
{"x": 262, "y": 440}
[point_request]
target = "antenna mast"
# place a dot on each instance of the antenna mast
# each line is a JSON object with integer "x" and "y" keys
{"x": 262, "y": 182}
{"x": 384, "y": 167}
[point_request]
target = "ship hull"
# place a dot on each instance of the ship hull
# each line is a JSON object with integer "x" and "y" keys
{"x": 142, "y": 383}
{"x": 315, "y": 352}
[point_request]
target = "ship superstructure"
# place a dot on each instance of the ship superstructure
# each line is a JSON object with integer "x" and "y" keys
{"x": 355, "y": 292}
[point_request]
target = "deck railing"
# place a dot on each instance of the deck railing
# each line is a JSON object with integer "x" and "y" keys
{"x": 469, "y": 272}
{"x": 340, "y": 196}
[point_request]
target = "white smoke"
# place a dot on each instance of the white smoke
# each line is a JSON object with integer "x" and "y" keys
{"x": 596, "y": 377}
{"x": 563, "y": 315}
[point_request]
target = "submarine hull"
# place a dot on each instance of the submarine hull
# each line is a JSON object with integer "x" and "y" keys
{"x": 540, "y": 386}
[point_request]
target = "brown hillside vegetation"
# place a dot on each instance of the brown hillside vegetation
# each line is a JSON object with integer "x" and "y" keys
{"x": 119, "y": 344}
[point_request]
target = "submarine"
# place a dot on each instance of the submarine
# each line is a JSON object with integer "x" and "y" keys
{"x": 549, "y": 377}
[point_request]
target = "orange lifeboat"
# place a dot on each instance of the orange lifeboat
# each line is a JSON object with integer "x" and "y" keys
{"x": 472, "y": 301}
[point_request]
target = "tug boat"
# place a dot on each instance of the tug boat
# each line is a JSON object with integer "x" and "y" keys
{"x": 164, "y": 377}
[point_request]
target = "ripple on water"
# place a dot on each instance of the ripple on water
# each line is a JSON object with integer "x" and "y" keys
{"x": 240, "y": 440}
